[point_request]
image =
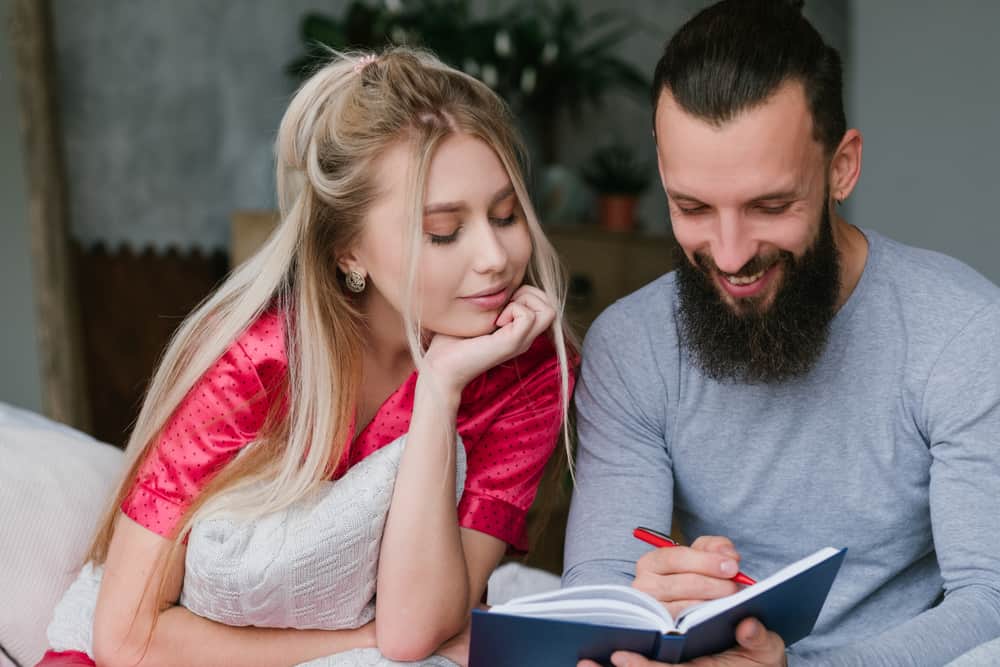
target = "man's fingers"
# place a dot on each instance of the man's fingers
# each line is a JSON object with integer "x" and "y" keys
{"x": 716, "y": 544}
{"x": 685, "y": 587}
{"x": 752, "y": 635}
{"x": 626, "y": 659}
{"x": 766, "y": 647}
{"x": 672, "y": 560}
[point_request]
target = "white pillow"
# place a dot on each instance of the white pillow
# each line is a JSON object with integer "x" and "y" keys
{"x": 54, "y": 482}
{"x": 313, "y": 565}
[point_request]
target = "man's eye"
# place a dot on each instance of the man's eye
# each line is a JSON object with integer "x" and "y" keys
{"x": 692, "y": 210}
{"x": 773, "y": 210}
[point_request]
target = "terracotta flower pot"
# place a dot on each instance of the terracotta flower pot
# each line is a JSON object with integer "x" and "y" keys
{"x": 617, "y": 212}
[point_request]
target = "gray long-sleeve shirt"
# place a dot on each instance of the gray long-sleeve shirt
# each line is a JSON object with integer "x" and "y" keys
{"x": 890, "y": 446}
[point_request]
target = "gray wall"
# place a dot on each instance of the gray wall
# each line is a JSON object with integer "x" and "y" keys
{"x": 923, "y": 90}
{"x": 20, "y": 382}
{"x": 170, "y": 109}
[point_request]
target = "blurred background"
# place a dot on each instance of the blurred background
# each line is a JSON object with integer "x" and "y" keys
{"x": 137, "y": 144}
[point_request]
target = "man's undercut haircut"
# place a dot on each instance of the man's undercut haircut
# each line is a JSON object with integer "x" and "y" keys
{"x": 732, "y": 56}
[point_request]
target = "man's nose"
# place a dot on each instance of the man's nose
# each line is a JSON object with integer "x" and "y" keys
{"x": 733, "y": 245}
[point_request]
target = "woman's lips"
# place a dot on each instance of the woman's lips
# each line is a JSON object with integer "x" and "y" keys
{"x": 491, "y": 300}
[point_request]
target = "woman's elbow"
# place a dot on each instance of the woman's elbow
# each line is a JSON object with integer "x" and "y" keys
{"x": 409, "y": 646}
{"x": 409, "y": 642}
{"x": 113, "y": 654}
{"x": 113, "y": 650}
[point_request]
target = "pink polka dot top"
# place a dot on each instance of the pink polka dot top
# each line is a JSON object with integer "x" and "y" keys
{"x": 509, "y": 420}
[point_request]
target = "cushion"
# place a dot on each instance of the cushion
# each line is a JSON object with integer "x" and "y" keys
{"x": 313, "y": 565}
{"x": 54, "y": 482}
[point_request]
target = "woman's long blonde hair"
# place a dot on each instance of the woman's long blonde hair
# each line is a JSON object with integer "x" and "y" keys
{"x": 337, "y": 125}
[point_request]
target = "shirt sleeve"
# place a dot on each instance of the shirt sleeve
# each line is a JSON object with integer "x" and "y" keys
{"x": 221, "y": 414}
{"x": 961, "y": 421}
{"x": 505, "y": 464}
{"x": 624, "y": 473}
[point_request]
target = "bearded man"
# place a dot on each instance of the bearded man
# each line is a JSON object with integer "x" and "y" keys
{"x": 798, "y": 382}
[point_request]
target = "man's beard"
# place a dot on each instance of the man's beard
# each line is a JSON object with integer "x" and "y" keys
{"x": 753, "y": 343}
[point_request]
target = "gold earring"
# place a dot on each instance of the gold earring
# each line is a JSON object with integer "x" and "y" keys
{"x": 355, "y": 281}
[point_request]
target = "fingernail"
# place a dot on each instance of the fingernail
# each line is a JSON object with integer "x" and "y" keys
{"x": 728, "y": 567}
{"x": 753, "y": 630}
{"x": 619, "y": 660}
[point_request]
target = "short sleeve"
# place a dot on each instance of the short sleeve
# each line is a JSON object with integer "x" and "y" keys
{"x": 512, "y": 435}
{"x": 221, "y": 414}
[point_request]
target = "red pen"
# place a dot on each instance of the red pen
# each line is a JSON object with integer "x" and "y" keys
{"x": 658, "y": 539}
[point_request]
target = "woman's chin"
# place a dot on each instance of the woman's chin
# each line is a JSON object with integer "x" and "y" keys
{"x": 467, "y": 329}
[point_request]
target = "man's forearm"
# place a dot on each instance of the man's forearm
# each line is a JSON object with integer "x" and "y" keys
{"x": 965, "y": 619}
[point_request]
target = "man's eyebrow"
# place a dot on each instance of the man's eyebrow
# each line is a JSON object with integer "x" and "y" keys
{"x": 778, "y": 194}
{"x": 767, "y": 196}
{"x": 674, "y": 194}
{"x": 452, "y": 206}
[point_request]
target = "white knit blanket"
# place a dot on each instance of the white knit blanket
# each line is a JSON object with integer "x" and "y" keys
{"x": 313, "y": 565}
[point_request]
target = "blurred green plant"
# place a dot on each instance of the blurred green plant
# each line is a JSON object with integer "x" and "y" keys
{"x": 616, "y": 170}
{"x": 544, "y": 58}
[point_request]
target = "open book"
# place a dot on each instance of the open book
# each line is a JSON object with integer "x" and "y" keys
{"x": 560, "y": 627}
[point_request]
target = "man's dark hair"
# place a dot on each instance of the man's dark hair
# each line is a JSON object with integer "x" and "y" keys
{"x": 733, "y": 55}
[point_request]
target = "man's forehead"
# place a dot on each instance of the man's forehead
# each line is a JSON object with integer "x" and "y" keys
{"x": 768, "y": 148}
{"x": 786, "y": 108}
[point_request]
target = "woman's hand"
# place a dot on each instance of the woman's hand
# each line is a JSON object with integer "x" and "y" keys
{"x": 454, "y": 362}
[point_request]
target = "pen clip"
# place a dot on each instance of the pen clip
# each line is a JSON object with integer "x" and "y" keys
{"x": 651, "y": 536}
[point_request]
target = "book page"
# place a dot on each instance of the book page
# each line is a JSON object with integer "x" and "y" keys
{"x": 581, "y": 603}
{"x": 696, "y": 614}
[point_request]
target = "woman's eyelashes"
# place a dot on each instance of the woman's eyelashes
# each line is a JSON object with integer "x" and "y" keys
{"x": 441, "y": 239}
{"x": 437, "y": 238}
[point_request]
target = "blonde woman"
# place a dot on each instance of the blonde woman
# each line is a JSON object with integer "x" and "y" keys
{"x": 408, "y": 290}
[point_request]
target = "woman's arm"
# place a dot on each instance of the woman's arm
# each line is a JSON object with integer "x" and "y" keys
{"x": 430, "y": 573}
{"x": 129, "y": 631}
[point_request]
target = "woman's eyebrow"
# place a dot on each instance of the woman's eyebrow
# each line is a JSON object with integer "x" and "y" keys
{"x": 452, "y": 206}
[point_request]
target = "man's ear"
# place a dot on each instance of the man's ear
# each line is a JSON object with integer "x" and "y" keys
{"x": 845, "y": 167}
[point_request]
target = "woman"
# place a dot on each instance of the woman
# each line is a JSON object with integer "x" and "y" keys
{"x": 408, "y": 290}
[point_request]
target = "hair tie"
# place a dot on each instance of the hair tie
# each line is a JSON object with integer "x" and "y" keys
{"x": 363, "y": 62}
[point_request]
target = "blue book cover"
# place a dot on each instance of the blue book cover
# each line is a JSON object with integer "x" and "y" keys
{"x": 561, "y": 627}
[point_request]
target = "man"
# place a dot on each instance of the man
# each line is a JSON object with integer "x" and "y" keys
{"x": 797, "y": 382}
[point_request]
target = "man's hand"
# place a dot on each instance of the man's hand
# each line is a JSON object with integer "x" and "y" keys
{"x": 756, "y": 648}
{"x": 682, "y": 576}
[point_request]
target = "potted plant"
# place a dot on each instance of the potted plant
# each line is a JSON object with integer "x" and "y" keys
{"x": 544, "y": 58}
{"x": 618, "y": 177}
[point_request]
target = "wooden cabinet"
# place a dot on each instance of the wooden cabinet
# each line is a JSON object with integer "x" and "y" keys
{"x": 604, "y": 266}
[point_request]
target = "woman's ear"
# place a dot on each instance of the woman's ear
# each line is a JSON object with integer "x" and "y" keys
{"x": 845, "y": 167}
{"x": 348, "y": 262}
